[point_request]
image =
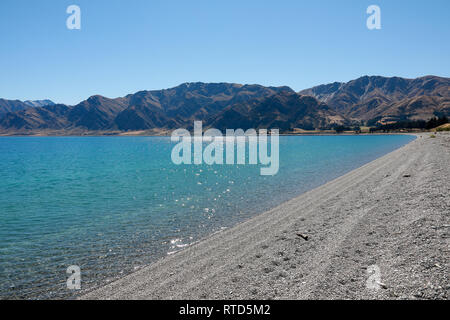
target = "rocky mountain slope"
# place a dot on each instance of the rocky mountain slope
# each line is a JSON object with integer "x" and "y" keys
{"x": 227, "y": 105}
{"x": 285, "y": 111}
{"x": 17, "y": 105}
{"x": 157, "y": 109}
{"x": 395, "y": 98}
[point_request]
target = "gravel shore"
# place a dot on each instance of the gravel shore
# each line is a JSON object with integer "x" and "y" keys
{"x": 391, "y": 216}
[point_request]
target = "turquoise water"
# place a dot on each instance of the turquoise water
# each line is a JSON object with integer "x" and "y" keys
{"x": 114, "y": 204}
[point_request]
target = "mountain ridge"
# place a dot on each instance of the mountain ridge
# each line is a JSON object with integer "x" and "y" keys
{"x": 18, "y": 105}
{"x": 377, "y": 97}
{"x": 231, "y": 105}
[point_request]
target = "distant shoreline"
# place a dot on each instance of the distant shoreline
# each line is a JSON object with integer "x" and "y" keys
{"x": 168, "y": 135}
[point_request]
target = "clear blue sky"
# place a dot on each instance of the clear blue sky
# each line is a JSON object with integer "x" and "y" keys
{"x": 127, "y": 46}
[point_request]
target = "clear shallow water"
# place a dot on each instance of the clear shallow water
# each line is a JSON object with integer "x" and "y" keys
{"x": 112, "y": 205}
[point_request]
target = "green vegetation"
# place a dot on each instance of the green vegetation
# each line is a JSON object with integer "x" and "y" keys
{"x": 340, "y": 129}
{"x": 444, "y": 127}
{"x": 436, "y": 122}
{"x": 410, "y": 124}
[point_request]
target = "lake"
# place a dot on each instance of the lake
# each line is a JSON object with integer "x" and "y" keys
{"x": 112, "y": 205}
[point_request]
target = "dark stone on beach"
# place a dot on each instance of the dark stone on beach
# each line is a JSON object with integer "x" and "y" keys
{"x": 304, "y": 237}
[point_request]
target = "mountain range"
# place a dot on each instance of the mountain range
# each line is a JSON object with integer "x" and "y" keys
{"x": 227, "y": 105}
{"x": 395, "y": 99}
{"x": 17, "y": 105}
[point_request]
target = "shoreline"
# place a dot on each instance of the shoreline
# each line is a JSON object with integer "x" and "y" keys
{"x": 266, "y": 257}
{"x": 168, "y": 136}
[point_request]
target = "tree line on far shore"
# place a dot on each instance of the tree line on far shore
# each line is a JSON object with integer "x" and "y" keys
{"x": 375, "y": 125}
{"x": 411, "y": 124}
